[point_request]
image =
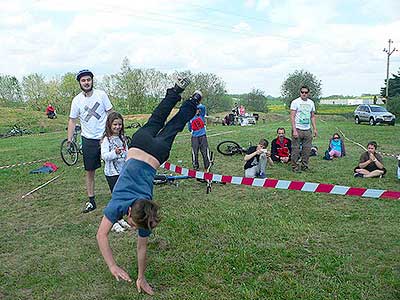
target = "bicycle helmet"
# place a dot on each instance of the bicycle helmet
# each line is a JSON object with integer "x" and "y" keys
{"x": 84, "y": 72}
{"x": 197, "y": 95}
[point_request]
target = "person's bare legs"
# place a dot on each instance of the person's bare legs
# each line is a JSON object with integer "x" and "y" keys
{"x": 90, "y": 182}
{"x": 375, "y": 173}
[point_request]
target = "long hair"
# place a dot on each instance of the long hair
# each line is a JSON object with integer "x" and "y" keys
{"x": 145, "y": 214}
{"x": 110, "y": 119}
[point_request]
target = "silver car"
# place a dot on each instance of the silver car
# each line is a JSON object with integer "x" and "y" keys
{"x": 373, "y": 114}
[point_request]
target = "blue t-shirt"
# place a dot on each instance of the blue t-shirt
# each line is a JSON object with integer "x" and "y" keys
{"x": 135, "y": 182}
{"x": 336, "y": 145}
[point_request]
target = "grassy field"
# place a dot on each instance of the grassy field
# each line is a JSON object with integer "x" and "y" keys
{"x": 235, "y": 243}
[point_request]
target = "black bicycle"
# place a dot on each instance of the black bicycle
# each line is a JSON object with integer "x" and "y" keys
{"x": 70, "y": 151}
{"x": 230, "y": 148}
{"x": 171, "y": 179}
{"x": 16, "y": 130}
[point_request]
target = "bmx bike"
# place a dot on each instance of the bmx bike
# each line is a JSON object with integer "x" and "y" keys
{"x": 70, "y": 152}
{"x": 230, "y": 148}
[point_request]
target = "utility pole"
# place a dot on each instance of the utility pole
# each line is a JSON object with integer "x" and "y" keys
{"x": 388, "y": 52}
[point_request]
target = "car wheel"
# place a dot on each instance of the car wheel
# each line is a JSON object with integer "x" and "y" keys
{"x": 371, "y": 122}
{"x": 357, "y": 120}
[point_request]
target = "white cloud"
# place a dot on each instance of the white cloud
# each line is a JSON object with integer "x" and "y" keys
{"x": 347, "y": 57}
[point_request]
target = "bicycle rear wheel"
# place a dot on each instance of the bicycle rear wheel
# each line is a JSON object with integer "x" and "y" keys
{"x": 69, "y": 154}
{"x": 228, "y": 148}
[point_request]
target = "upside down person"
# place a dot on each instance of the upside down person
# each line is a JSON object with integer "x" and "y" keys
{"x": 133, "y": 192}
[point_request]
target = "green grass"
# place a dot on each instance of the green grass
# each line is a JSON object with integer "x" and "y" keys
{"x": 236, "y": 243}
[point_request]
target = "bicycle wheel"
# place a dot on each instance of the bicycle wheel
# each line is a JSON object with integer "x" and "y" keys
{"x": 69, "y": 154}
{"x": 228, "y": 148}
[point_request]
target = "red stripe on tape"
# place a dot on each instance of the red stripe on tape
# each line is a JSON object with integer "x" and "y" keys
{"x": 167, "y": 165}
{"x": 356, "y": 191}
{"x": 192, "y": 173}
{"x": 270, "y": 183}
{"x": 324, "y": 188}
{"x": 390, "y": 195}
{"x": 178, "y": 170}
{"x": 226, "y": 179}
{"x": 208, "y": 176}
{"x": 296, "y": 185}
{"x": 247, "y": 181}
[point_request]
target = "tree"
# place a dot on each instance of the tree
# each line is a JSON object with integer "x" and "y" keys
{"x": 67, "y": 90}
{"x": 394, "y": 86}
{"x": 35, "y": 91}
{"x": 256, "y": 100}
{"x": 212, "y": 88}
{"x": 10, "y": 90}
{"x": 290, "y": 88}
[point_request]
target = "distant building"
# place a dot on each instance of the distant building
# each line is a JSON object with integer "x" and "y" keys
{"x": 355, "y": 101}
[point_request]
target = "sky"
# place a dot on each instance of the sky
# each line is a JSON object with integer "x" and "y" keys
{"x": 248, "y": 44}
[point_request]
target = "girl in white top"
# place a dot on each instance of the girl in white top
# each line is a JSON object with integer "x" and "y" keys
{"x": 113, "y": 151}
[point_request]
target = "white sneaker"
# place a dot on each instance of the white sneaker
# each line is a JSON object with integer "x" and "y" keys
{"x": 117, "y": 228}
{"x": 124, "y": 224}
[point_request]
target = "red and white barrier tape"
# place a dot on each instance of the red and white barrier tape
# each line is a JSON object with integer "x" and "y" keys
{"x": 287, "y": 184}
{"x": 22, "y": 164}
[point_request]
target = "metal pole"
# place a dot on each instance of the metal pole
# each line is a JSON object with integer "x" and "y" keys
{"x": 389, "y": 52}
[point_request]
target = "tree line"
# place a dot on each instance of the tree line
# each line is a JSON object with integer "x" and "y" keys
{"x": 137, "y": 90}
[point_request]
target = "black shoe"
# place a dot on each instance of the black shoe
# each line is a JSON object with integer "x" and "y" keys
{"x": 180, "y": 84}
{"x": 358, "y": 175}
{"x": 89, "y": 207}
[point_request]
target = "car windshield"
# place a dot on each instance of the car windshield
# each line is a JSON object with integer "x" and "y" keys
{"x": 378, "y": 109}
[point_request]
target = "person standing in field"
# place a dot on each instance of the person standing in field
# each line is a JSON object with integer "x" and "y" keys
{"x": 199, "y": 141}
{"x": 91, "y": 107}
{"x": 113, "y": 151}
{"x": 302, "y": 115}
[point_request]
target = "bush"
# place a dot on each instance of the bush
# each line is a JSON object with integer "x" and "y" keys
{"x": 393, "y": 105}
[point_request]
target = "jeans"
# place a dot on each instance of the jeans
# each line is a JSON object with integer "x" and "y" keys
{"x": 304, "y": 140}
{"x": 154, "y": 137}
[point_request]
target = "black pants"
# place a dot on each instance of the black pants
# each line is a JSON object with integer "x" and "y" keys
{"x": 112, "y": 180}
{"x": 155, "y": 137}
{"x": 200, "y": 143}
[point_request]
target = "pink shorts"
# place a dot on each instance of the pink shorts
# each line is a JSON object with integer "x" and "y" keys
{"x": 336, "y": 153}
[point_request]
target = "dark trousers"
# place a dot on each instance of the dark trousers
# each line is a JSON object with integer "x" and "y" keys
{"x": 200, "y": 143}
{"x": 156, "y": 137}
{"x": 112, "y": 180}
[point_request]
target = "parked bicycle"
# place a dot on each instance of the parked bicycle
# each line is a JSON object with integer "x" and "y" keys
{"x": 16, "y": 130}
{"x": 70, "y": 152}
{"x": 230, "y": 148}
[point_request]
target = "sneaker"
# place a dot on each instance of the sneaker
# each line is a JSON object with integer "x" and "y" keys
{"x": 181, "y": 83}
{"x": 124, "y": 224}
{"x": 117, "y": 228}
{"x": 304, "y": 168}
{"x": 262, "y": 175}
{"x": 358, "y": 175}
{"x": 89, "y": 207}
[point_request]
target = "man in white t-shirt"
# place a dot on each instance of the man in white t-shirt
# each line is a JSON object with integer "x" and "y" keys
{"x": 91, "y": 106}
{"x": 302, "y": 115}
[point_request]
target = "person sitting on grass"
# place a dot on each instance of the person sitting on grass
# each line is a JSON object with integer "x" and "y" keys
{"x": 335, "y": 148}
{"x": 256, "y": 159}
{"x": 133, "y": 192}
{"x": 281, "y": 147}
{"x": 371, "y": 163}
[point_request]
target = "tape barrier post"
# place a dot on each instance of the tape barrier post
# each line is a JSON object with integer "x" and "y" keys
{"x": 287, "y": 184}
